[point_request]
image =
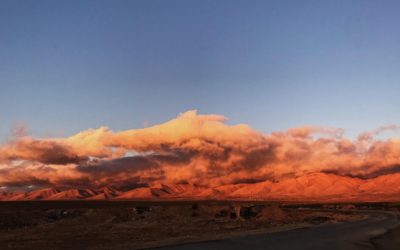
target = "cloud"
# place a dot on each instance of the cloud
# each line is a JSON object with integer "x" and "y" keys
{"x": 38, "y": 174}
{"x": 45, "y": 151}
{"x": 369, "y": 135}
{"x": 193, "y": 148}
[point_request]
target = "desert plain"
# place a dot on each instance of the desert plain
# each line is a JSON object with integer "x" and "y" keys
{"x": 88, "y": 224}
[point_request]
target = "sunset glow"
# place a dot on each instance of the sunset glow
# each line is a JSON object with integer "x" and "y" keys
{"x": 203, "y": 152}
{"x": 199, "y": 124}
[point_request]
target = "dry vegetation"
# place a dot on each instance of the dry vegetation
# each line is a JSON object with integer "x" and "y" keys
{"x": 127, "y": 226}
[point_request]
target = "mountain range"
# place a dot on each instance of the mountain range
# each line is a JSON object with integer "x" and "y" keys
{"x": 311, "y": 187}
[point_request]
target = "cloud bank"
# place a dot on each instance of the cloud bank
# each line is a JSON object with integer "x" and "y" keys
{"x": 195, "y": 149}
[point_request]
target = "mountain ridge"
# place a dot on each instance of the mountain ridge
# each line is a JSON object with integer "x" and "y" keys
{"x": 311, "y": 187}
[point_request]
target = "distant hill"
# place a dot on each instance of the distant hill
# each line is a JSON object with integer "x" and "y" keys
{"x": 311, "y": 187}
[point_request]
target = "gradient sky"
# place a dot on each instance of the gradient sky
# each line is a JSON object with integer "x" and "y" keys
{"x": 66, "y": 66}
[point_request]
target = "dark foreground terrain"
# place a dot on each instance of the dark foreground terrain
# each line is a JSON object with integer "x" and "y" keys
{"x": 136, "y": 225}
{"x": 344, "y": 236}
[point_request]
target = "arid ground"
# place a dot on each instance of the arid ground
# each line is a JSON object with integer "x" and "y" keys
{"x": 141, "y": 224}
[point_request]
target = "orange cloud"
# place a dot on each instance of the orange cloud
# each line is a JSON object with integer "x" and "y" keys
{"x": 197, "y": 149}
{"x": 45, "y": 151}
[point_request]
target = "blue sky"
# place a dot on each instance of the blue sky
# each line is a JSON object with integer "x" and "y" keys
{"x": 66, "y": 66}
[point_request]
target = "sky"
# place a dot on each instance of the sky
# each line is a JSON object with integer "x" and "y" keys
{"x": 66, "y": 66}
